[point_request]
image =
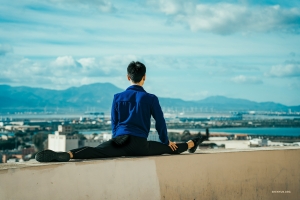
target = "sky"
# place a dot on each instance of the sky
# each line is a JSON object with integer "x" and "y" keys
{"x": 192, "y": 49}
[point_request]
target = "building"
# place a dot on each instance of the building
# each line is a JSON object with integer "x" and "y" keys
{"x": 20, "y": 123}
{"x": 62, "y": 142}
{"x": 65, "y": 129}
{"x": 255, "y": 142}
{"x": 22, "y": 128}
{"x": 240, "y": 136}
{"x": 233, "y": 144}
{"x": 58, "y": 142}
{"x": 106, "y": 136}
{"x": 265, "y": 142}
{"x": 92, "y": 143}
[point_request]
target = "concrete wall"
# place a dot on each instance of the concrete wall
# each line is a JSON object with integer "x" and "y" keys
{"x": 208, "y": 175}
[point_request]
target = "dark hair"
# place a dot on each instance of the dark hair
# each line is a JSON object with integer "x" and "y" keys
{"x": 136, "y": 71}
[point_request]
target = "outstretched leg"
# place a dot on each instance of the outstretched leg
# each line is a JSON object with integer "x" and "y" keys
{"x": 157, "y": 148}
{"x": 104, "y": 150}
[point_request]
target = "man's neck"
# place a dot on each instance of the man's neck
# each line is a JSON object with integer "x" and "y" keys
{"x": 138, "y": 84}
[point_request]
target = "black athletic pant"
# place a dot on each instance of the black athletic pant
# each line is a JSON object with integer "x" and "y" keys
{"x": 136, "y": 146}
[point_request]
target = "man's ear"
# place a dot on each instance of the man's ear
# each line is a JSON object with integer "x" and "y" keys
{"x": 128, "y": 77}
{"x": 144, "y": 77}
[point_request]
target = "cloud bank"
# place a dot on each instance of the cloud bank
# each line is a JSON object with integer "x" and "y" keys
{"x": 227, "y": 18}
{"x": 288, "y": 69}
{"x": 62, "y": 72}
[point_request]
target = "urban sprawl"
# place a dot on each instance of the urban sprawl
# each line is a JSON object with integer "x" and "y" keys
{"x": 21, "y": 138}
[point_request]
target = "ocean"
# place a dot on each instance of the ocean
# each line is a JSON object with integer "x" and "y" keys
{"x": 250, "y": 131}
{"x": 259, "y": 131}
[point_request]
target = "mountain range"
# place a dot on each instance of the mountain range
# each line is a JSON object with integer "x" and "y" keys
{"x": 98, "y": 97}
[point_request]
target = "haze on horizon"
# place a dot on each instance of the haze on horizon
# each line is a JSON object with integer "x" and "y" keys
{"x": 192, "y": 49}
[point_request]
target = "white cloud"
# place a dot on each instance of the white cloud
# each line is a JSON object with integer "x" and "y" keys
{"x": 226, "y": 18}
{"x": 64, "y": 71}
{"x": 87, "y": 62}
{"x": 65, "y": 61}
{"x": 289, "y": 69}
{"x": 241, "y": 79}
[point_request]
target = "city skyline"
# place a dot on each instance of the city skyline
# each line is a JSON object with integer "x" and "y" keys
{"x": 192, "y": 49}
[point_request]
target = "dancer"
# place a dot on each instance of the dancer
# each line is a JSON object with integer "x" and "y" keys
{"x": 130, "y": 120}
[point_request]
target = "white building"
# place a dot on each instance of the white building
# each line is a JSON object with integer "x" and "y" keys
{"x": 102, "y": 136}
{"x": 235, "y": 144}
{"x": 106, "y": 136}
{"x": 59, "y": 142}
{"x": 255, "y": 142}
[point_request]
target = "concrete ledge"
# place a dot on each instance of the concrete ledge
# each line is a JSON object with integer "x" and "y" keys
{"x": 208, "y": 174}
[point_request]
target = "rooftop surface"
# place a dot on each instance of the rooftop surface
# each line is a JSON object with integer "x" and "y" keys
{"x": 253, "y": 173}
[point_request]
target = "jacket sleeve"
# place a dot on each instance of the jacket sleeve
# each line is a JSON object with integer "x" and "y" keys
{"x": 160, "y": 123}
{"x": 114, "y": 118}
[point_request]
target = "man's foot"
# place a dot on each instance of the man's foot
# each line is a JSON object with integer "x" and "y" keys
{"x": 197, "y": 141}
{"x": 52, "y": 156}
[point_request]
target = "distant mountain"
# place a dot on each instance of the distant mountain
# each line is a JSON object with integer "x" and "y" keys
{"x": 221, "y": 103}
{"x": 98, "y": 97}
{"x": 224, "y": 103}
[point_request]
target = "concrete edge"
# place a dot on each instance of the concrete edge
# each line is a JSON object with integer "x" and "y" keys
{"x": 34, "y": 163}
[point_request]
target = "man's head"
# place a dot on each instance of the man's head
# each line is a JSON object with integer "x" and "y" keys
{"x": 136, "y": 72}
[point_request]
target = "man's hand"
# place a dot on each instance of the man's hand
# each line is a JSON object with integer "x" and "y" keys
{"x": 172, "y": 145}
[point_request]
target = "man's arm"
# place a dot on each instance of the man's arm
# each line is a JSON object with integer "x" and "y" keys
{"x": 160, "y": 123}
{"x": 114, "y": 118}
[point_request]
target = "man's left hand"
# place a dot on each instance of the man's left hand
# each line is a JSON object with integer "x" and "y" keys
{"x": 172, "y": 145}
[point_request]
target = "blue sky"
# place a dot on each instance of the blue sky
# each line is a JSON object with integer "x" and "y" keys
{"x": 192, "y": 49}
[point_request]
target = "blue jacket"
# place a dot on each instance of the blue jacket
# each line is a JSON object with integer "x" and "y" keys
{"x": 131, "y": 113}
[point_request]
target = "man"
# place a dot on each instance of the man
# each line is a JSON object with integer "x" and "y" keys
{"x": 131, "y": 118}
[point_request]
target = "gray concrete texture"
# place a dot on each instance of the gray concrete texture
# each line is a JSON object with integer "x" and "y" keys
{"x": 204, "y": 175}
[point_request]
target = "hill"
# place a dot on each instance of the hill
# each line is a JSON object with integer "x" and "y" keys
{"x": 98, "y": 97}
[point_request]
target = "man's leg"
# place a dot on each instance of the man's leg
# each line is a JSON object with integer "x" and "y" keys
{"x": 104, "y": 150}
{"x": 157, "y": 148}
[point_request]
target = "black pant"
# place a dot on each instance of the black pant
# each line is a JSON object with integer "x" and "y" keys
{"x": 136, "y": 146}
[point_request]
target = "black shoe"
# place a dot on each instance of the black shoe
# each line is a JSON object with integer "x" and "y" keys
{"x": 196, "y": 141}
{"x": 52, "y": 156}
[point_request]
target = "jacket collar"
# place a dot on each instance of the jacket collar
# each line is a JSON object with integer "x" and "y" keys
{"x": 136, "y": 88}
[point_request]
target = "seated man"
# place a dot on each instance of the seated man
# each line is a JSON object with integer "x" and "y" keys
{"x": 130, "y": 117}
